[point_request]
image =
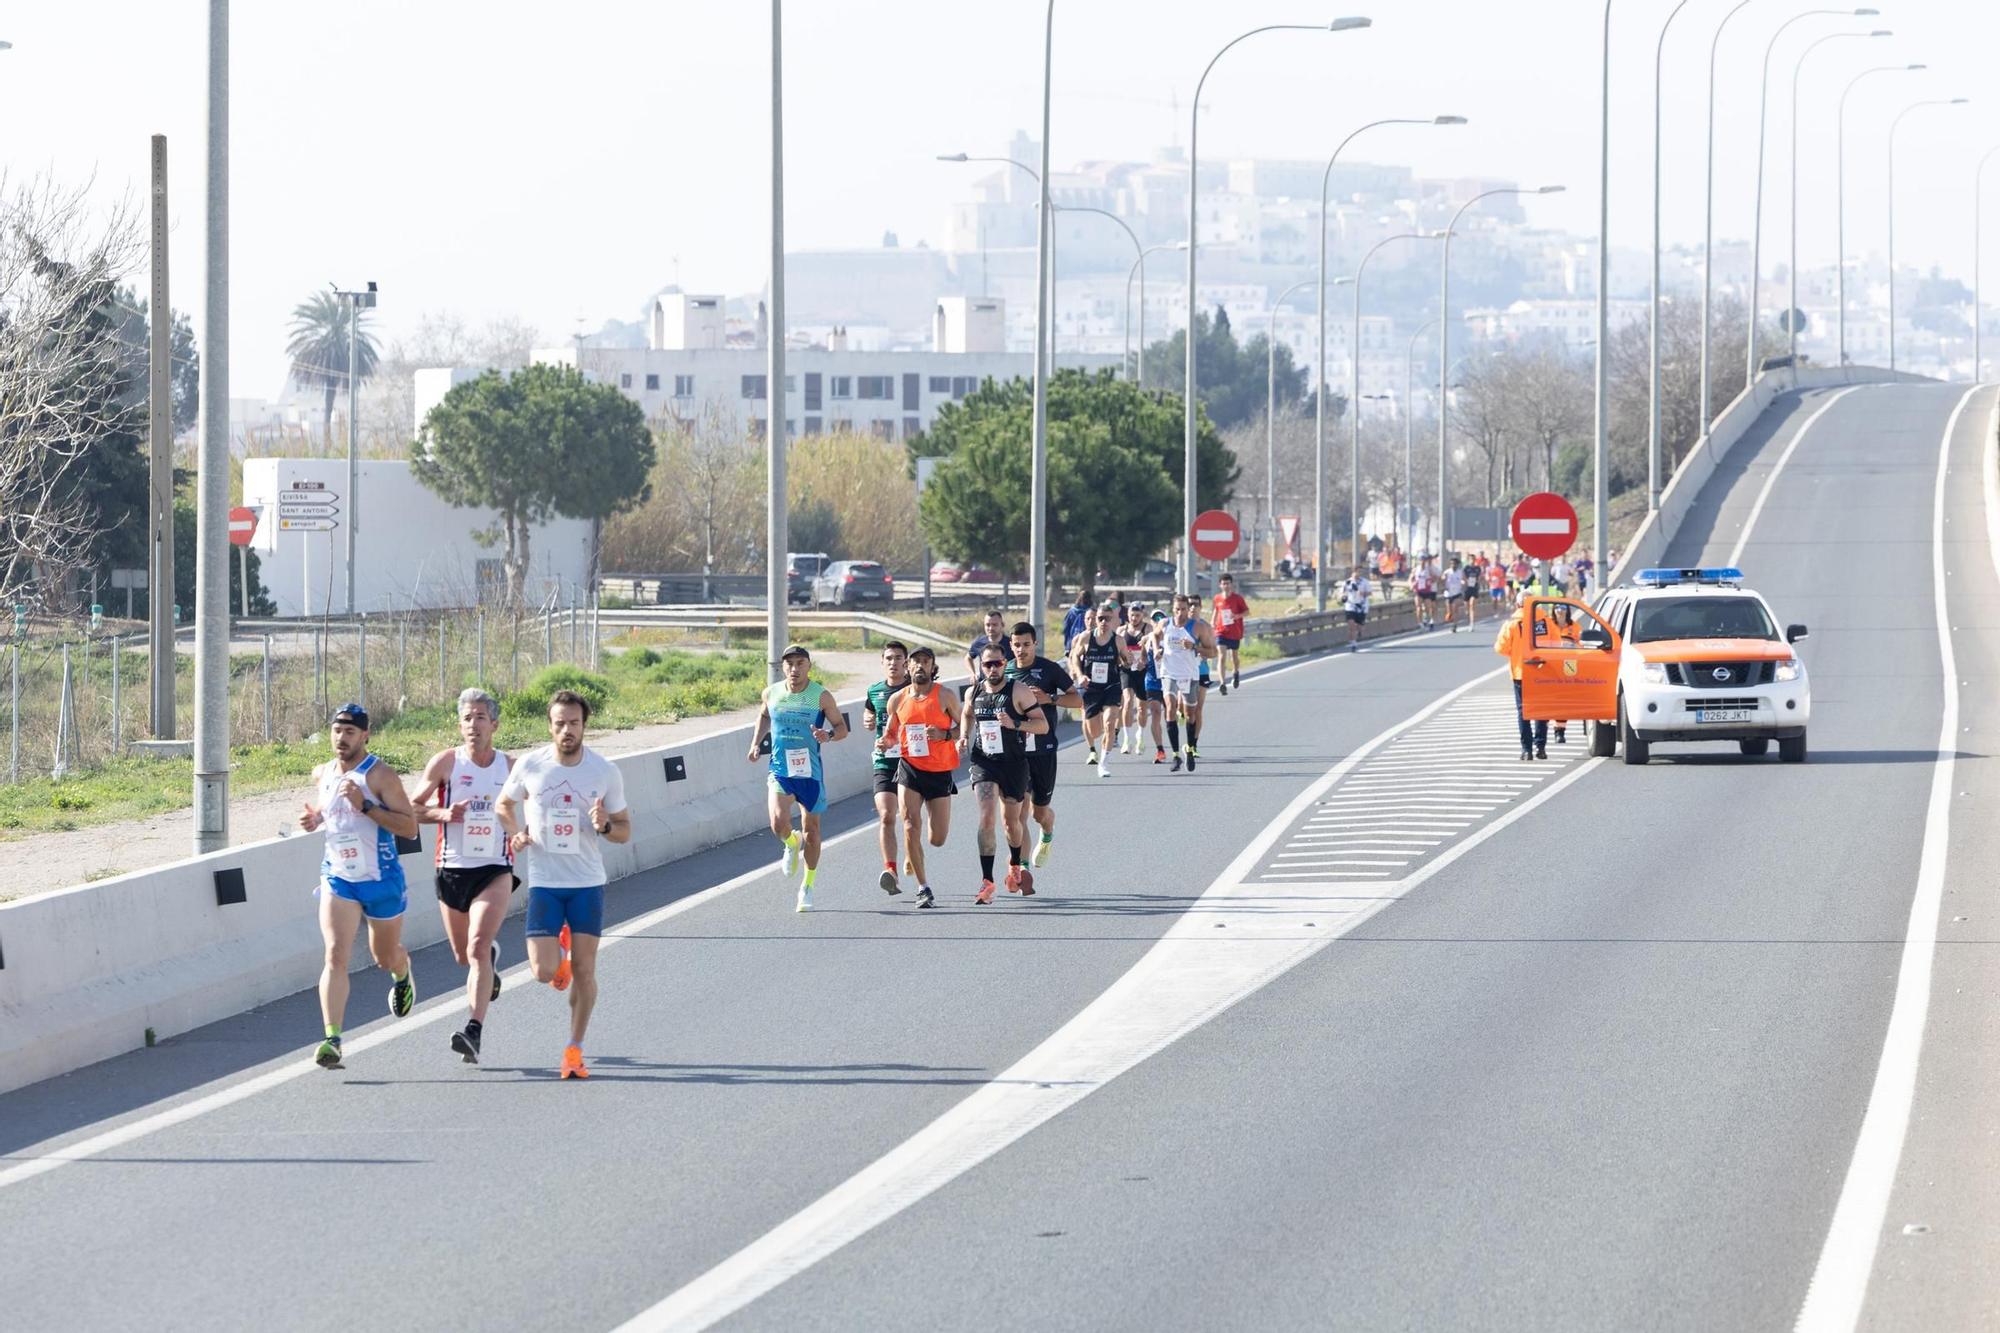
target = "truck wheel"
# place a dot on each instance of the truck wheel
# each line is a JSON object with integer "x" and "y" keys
{"x": 1603, "y": 740}
{"x": 1636, "y": 751}
{"x": 1792, "y": 749}
{"x": 1755, "y": 745}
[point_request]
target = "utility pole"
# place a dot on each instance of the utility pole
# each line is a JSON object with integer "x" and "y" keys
{"x": 211, "y": 598}
{"x": 776, "y": 527}
{"x": 160, "y": 447}
{"x": 356, "y": 302}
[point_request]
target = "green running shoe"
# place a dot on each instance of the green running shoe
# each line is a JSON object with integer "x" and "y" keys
{"x": 403, "y": 995}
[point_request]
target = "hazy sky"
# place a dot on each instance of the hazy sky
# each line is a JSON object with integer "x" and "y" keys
{"x": 551, "y": 161}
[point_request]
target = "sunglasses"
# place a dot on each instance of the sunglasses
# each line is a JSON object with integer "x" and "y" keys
{"x": 992, "y": 662}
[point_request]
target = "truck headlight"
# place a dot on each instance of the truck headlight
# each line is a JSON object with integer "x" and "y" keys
{"x": 1655, "y": 673}
{"x": 1791, "y": 670}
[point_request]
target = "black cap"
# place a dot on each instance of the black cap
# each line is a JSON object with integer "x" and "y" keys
{"x": 795, "y": 650}
{"x": 354, "y": 715}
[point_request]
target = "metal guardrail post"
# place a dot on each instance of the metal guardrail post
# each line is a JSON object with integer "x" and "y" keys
{"x": 117, "y": 737}
{"x": 267, "y": 689}
{"x": 361, "y": 667}
{"x": 479, "y": 655}
{"x": 444, "y": 688}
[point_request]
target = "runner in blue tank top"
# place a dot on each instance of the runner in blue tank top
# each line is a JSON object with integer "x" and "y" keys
{"x": 799, "y": 716}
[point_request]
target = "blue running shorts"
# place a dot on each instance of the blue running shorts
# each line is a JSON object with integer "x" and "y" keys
{"x": 549, "y": 910}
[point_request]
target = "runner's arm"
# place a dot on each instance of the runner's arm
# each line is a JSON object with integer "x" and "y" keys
{"x": 757, "y": 732}
{"x": 309, "y": 818}
{"x": 617, "y": 823}
{"x": 392, "y": 804}
{"x": 837, "y": 730}
{"x": 427, "y": 805}
{"x": 1033, "y": 721}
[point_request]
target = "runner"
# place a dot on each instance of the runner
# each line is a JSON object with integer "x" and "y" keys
{"x": 1231, "y": 614}
{"x": 1496, "y": 584}
{"x": 1472, "y": 580}
{"x": 1093, "y": 661}
{"x": 875, "y": 716}
{"x": 559, "y": 805}
{"x": 793, "y": 713}
{"x": 1156, "y": 697}
{"x": 1053, "y": 688}
{"x": 1454, "y": 591}
{"x": 923, "y": 723}
{"x": 1132, "y": 678}
{"x": 992, "y": 631}
{"x": 997, "y": 717}
{"x": 1423, "y": 584}
{"x": 363, "y": 810}
{"x": 475, "y": 879}
{"x": 1178, "y": 651}
{"x": 1204, "y": 635}
{"x": 1354, "y": 600}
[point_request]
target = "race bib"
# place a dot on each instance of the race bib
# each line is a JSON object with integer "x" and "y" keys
{"x": 479, "y": 839}
{"x": 917, "y": 742}
{"x": 798, "y": 762}
{"x": 352, "y": 856}
{"x": 562, "y": 831}
{"x": 1100, "y": 672}
{"x": 989, "y": 735}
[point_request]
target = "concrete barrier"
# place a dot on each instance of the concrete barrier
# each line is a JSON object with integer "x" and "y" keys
{"x": 86, "y": 971}
{"x": 1317, "y": 631}
{"x": 1648, "y": 547}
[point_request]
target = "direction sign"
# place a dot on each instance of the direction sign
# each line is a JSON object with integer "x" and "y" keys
{"x": 308, "y": 511}
{"x": 242, "y": 526}
{"x": 1215, "y": 535}
{"x": 306, "y": 525}
{"x": 1544, "y": 525}
{"x": 307, "y": 492}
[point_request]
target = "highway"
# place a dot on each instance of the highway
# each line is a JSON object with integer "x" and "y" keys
{"x": 1364, "y": 1024}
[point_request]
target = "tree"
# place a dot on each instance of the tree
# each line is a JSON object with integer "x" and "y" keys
{"x": 1233, "y": 382}
{"x": 706, "y": 489}
{"x": 1551, "y": 395}
{"x": 866, "y": 485}
{"x": 538, "y": 443}
{"x": 319, "y": 346}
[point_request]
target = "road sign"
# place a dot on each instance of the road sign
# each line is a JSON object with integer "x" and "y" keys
{"x": 242, "y": 526}
{"x": 1544, "y": 525}
{"x": 1288, "y": 529}
{"x": 308, "y": 511}
{"x": 306, "y": 525}
{"x": 307, "y": 492}
{"x": 1215, "y": 535}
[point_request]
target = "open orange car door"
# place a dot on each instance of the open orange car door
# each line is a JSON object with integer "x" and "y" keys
{"x": 1569, "y": 677}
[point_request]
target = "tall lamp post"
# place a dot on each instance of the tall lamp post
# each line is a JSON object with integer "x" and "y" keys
{"x": 1840, "y": 199}
{"x": 1444, "y": 350}
{"x": 1189, "y": 408}
{"x": 1137, "y": 249}
{"x": 1978, "y": 186}
{"x": 1139, "y": 272}
{"x": 1708, "y": 223}
{"x": 1354, "y": 390}
{"x": 356, "y": 302}
{"x": 777, "y": 517}
{"x": 1271, "y": 412}
{"x": 1409, "y": 431}
{"x": 1653, "y": 342}
{"x": 1889, "y": 198}
{"x": 1036, "y": 177}
{"x": 1319, "y": 380}
{"x": 1792, "y": 300}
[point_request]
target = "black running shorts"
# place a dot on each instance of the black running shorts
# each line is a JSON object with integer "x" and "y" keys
{"x": 457, "y": 887}
{"x": 1009, "y": 774}
{"x": 931, "y": 786}
{"x": 1042, "y": 776}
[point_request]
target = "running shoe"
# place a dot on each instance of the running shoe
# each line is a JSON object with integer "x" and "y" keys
{"x": 1160, "y": 755}
{"x": 1090, "y": 758}
{"x": 1237, "y": 680}
{"x": 572, "y": 1065}
{"x": 496, "y": 973}
{"x": 1104, "y": 765}
{"x": 561, "y": 979}
{"x": 466, "y": 1043}
{"x": 328, "y": 1054}
{"x": 888, "y": 883}
{"x": 791, "y": 861}
{"x": 924, "y": 896}
{"x": 1042, "y": 853}
{"x": 985, "y": 894}
{"x": 1191, "y": 759}
{"x": 403, "y": 995}
{"x": 1177, "y": 765}
{"x": 805, "y": 900}
{"x": 1013, "y": 879}
{"x": 1027, "y": 889}
{"x": 1225, "y": 687}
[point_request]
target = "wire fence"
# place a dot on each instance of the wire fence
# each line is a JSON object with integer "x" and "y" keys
{"x": 73, "y": 699}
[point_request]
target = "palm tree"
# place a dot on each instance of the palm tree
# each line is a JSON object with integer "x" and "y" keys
{"x": 318, "y": 347}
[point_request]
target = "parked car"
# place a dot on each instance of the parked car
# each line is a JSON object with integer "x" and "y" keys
{"x": 947, "y": 571}
{"x": 1162, "y": 574}
{"x": 853, "y": 582}
{"x": 801, "y": 568}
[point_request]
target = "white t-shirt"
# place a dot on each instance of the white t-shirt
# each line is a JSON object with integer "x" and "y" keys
{"x": 555, "y": 797}
{"x": 1354, "y": 594}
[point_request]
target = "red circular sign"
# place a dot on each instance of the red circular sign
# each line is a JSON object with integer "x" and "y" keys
{"x": 1215, "y": 535}
{"x": 242, "y": 526}
{"x": 1544, "y": 525}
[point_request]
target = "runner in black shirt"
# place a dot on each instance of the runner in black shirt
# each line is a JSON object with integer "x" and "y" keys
{"x": 1053, "y": 689}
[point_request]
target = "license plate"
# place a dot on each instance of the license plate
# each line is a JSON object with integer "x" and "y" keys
{"x": 1725, "y": 715}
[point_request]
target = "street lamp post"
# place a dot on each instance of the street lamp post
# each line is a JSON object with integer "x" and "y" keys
{"x": 1978, "y": 186}
{"x": 1139, "y": 272}
{"x": 356, "y": 302}
{"x": 1840, "y": 200}
{"x": 1050, "y": 238}
{"x": 1189, "y": 407}
{"x": 1038, "y": 481}
{"x": 1354, "y": 392}
{"x": 1319, "y": 381}
{"x": 1271, "y": 410}
{"x": 1889, "y": 197}
{"x": 1798, "y": 69}
{"x": 1409, "y": 430}
{"x": 777, "y": 516}
{"x": 1599, "y": 486}
{"x": 1653, "y": 350}
{"x": 1444, "y": 351}
{"x": 1708, "y": 223}
{"x": 1137, "y": 249}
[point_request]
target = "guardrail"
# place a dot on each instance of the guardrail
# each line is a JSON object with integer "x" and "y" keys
{"x": 728, "y": 620}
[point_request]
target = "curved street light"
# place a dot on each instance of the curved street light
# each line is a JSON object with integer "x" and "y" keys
{"x": 1708, "y": 224}
{"x": 1889, "y": 196}
{"x": 1354, "y": 390}
{"x": 1840, "y": 198}
{"x": 1798, "y": 69}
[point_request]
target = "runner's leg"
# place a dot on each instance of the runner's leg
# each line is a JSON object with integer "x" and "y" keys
{"x": 338, "y": 919}
{"x": 888, "y": 813}
{"x": 457, "y": 933}
{"x": 489, "y": 910}
{"x": 913, "y": 832}
{"x": 583, "y": 984}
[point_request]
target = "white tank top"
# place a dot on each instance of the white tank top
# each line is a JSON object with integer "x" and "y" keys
{"x": 1177, "y": 660}
{"x": 478, "y": 839}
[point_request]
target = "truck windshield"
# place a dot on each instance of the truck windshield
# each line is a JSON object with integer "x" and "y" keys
{"x": 1657, "y": 619}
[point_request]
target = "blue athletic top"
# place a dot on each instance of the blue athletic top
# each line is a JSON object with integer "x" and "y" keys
{"x": 793, "y": 717}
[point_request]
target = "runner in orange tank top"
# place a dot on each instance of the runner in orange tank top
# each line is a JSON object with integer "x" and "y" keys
{"x": 923, "y": 722}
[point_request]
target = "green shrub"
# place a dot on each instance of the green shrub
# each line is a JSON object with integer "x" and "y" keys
{"x": 532, "y": 701}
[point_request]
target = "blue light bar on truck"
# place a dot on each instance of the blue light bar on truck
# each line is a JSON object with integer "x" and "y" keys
{"x": 1660, "y": 578}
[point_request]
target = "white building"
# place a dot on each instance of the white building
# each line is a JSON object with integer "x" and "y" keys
{"x": 411, "y": 548}
{"x": 1570, "y": 322}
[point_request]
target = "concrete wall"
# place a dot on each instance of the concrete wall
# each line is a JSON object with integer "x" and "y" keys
{"x": 85, "y": 971}
{"x": 1648, "y": 547}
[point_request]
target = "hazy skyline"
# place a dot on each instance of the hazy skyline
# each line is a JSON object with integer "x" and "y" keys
{"x": 551, "y": 164}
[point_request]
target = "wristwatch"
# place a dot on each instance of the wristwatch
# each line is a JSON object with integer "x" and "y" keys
{"x": 369, "y": 803}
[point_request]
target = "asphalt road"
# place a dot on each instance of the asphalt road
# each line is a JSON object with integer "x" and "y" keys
{"x": 1363, "y": 1024}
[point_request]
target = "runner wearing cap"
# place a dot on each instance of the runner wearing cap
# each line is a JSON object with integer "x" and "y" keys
{"x": 799, "y": 716}
{"x": 874, "y": 717}
{"x": 923, "y": 723}
{"x": 362, "y": 809}
{"x": 475, "y": 878}
{"x": 1052, "y": 688}
{"x": 559, "y": 805}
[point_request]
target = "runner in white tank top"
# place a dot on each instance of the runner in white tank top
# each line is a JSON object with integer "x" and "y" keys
{"x": 1178, "y": 651}
{"x": 475, "y": 876}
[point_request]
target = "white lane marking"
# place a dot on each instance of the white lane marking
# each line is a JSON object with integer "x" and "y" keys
{"x": 1839, "y": 1283}
{"x": 1743, "y": 537}
{"x": 1415, "y": 823}
{"x": 1321, "y": 874}
{"x": 1323, "y": 858}
{"x": 1170, "y": 992}
{"x": 448, "y": 1006}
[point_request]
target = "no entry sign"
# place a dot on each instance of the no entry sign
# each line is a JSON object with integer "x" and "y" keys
{"x": 242, "y": 526}
{"x": 1544, "y": 525}
{"x": 1215, "y": 535}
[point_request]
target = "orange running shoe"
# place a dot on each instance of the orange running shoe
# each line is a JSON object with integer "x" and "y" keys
{"x": 985, "y": 893}
{"x": 561, "y": 979}
{"x": 1013, "y": 879}
{"x": 572, "y": 1065}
